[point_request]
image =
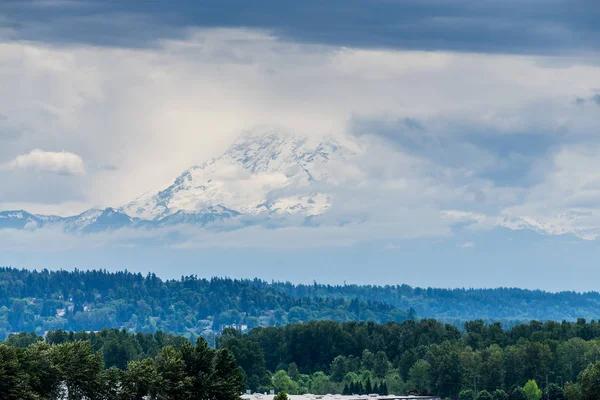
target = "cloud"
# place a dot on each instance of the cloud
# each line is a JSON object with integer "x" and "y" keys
{"x": 467, "y": 245}
{"x": 593, "y": 99}
{"x": 497, "y": 26}
{"x": 63, "y": 163}
{"x": 430, "y": 140}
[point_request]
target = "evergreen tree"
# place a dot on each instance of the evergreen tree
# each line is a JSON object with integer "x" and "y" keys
{"x": 555, "y": 392}
{"x": 140, "y": 381}
{"x": 484, "y": 395}
{"x": 13, "y": 381}
{"x": 518, "y": 394}
{"x": 79, "y": 368}
{"x": 590, "y": 382}
{"x": 383, "y": 389}
{"x": 173, "y": 383}
{"x": 228, "y": 381}
{"x": 466, "y": 394}
{"x": 500, "y": 394}
{"x": 360, "y": 389}
{"x": 368, "y": 386}
{"x": 376, "y": 388}
{"x": 346, "y": 390}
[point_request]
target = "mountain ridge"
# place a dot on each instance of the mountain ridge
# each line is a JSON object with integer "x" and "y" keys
{"x": 265, "y": 175}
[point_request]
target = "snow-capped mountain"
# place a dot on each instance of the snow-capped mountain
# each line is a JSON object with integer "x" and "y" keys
{"x": 200, "y": 217}
{"x": 271, "y": 173}
{"x": 93, "y": 220}
{"x": 19, "y": 219}
{"x": 96, "y": 220}
{"x": 266, "y": 176}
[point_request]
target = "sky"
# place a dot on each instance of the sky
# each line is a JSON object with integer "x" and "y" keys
{"x": 480, "y": 123}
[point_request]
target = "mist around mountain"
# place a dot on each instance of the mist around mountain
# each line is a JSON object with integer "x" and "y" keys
{"x": 261, "y": 179}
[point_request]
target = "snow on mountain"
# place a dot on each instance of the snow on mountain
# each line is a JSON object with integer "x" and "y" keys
{"x": 258, "y": 174}
{"x": 96, "y": 220}
{"x": 19, "y": 219}
{"x": 258, "y": 177}
{"x": 201, "y": 217}
{"x": 561, "y": 224}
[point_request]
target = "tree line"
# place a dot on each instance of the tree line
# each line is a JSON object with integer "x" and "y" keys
{"x": 511, "y": 306}
{"x": 41, "y": 301}
{"x": 67, "y": 366}
{"x": 424, "y": 357}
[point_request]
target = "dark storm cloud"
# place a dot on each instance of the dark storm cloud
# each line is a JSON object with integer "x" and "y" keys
{"x": 493, "y": 26}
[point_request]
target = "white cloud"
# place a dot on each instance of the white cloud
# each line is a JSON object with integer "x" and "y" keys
{"x": 467, "y": 245}
{"x": 37, "y": 160}
{"x": 135, "y": 109}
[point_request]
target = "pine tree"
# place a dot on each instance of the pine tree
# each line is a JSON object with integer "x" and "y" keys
{"x": 359, "y": 388}
{"x": 368, "y": 386}
{"x": 346, "y": 390}
{"x": 383, "y": 389}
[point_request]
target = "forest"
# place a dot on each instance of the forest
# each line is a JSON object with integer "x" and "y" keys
{"x": 72, "y": 367}
{"x": 41, "y": 301}
{"x": 509, "y": 305}
{"x": 92, "y": 300}
{"x": 130, "y": 329}
{"x": 534, "y": 361}
{"x": 557, "y": 360}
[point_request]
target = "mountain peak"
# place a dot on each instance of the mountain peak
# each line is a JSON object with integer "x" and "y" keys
{"x": 260, "y": 173}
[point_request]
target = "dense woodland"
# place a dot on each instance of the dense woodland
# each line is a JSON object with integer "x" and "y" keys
{"x": 92, "y": 300}
{"x": 422, "y": 357}
{"x": 509, "y": 305}
{"x": 553, "y": 361}
{"x": 336, "y": 351}
{"x": 40, "y": 301}
{"x": 77, "y": 367}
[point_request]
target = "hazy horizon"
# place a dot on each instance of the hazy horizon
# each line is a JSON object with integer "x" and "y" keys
{"x": 437, "y": 144}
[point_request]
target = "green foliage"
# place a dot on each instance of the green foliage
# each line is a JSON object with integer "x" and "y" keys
{"x": 590, "y": 382}
{"x": 518, "y": 394}
{"x": 572, "y": 391}
{"x": 428, "y": 356}
{"x": 321, "y": 356}
{"x": 94, "y": 300}
{"x": 443, "y": 359}
{"x": 283, "y": 383}
{"x": 281, "y": 396}
{"x": 499, "y": 394}
{"x": 78, "y": 367}
{"x": 484, "y": 395}
{"x": 555, "y": 392}
{"x": 13, "y": 380}
{"x": 466, "y": 394}
{"x": 73, "y": 370}
{"x": 419, "y": 377}
{"x": 22, "y": 339}
{"x": 532, "y": 391}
